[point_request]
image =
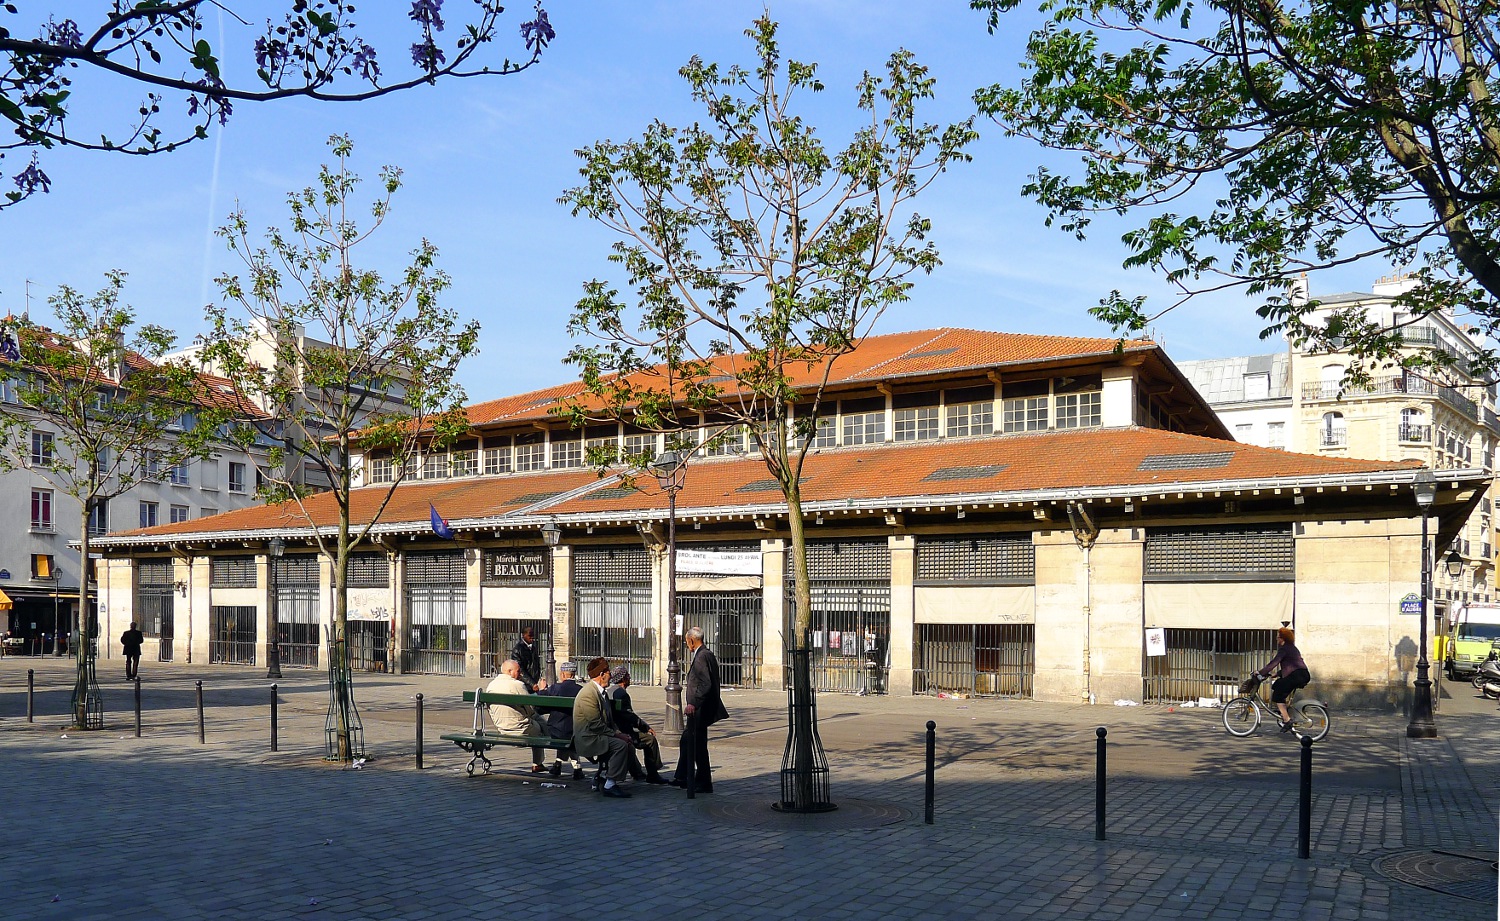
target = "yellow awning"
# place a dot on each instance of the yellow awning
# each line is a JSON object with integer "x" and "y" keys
{"x": 5, "y": 603}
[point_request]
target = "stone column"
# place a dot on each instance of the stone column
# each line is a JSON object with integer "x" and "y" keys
{"x": 773, "y": 612}
{"x": 473, "y": 611}
{"x": 562, "y": 601}
{"x": 903, "y": 614}
{"x": 197, "y": 609}
{"x": 263, "y": 609}
{"x": 400, "y": 616}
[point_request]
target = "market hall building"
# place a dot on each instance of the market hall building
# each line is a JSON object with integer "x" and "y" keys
{"x": 992, "y": 514}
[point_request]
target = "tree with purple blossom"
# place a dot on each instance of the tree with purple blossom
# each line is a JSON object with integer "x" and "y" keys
{"x": 314, "y": 51}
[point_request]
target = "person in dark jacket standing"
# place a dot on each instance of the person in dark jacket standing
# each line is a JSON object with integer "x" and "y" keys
{"x": 130, "y": 642}
{"x": 1293, "y": 673}
{"x": 630, "y": 722}
{"x": 526, "y": 656}
{"x": 702, "y": 706}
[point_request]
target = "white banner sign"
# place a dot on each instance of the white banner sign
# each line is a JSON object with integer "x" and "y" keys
{"x": 719, "y": 562}
{"x": 1156, "y": 641}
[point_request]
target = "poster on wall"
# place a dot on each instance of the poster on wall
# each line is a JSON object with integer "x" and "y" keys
{"x": 1156, "y": 641}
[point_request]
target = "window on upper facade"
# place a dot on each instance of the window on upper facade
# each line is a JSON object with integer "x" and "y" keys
{"x": 10, "y": 391}
{"x": 382, "y": 470}
{"x": 208, "y": 474}
{"x": 1242, "y": 433}
{"x": 971, "y": 411}
{"x": 1331, "y": 380}
{"x": 1333, "y": 432}
{"x": 916, "y": 423}
{"x": 862, "y": 422}
{"x": 435, "y": 465}
{"x": 1258, "y": 386}
{"x": 1079, "y": 410}
{"x": 41, "y": 448}
{"x": 531, "y": 452}
{"x": 236, "y": 478}
{"x": 99, "y": 518}
{"x": 465, "y": 462}
{"x": 1414, "y": 426}
{"x": 178, "y": 513}
{"x": 177, "y": 474}
{"x": 496, "y": 460}
{"x": 567, "y": 453}
{"x": 148, "y": 514}
{"x": 206, "y": 511}
{"x": 641, "y": 443}
{"x": 827, "y": 432}
{"x": 41, "y": 510}
{"x": 1276, "y": 434}
{"x": 724, "y": 441}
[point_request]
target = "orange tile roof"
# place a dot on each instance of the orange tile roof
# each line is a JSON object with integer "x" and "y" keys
{"x": 878, "y": 358}
{"x": 1140, "y": 460}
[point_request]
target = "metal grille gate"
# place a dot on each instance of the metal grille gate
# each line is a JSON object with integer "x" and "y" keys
{"x": 614, "y": 621}
{"x": 231, "y": 634}
{"x": 154, "y": 603}
{"x": 1205, "y": 663}
{"x": 850, "y": 625}
{"x": 982, "y": 660}
{"x": 612, "y": 610}
{"x": 731, "y": 623}
{"x": 296, "y": 581}
{"x": 367, "y": 644}
{"x": 498, "y": 636}
{"x": 436, "y": 606}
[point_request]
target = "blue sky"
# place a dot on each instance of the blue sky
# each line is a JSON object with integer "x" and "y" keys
{"x": 485, "y": 160}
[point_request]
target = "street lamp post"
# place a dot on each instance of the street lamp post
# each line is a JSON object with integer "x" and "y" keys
{"x": 277, "y": 547}
{"x": 1424, "y": 490}
{"x": 670, "y": 468}
{"x": 551, "y": 536}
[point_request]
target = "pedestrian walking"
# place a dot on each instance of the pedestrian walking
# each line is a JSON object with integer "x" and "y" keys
{"x": 130, "y": 642}
{"x": 702, "y": 706}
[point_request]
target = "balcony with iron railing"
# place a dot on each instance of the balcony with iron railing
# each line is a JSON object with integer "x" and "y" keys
{"x": 1419, "y": 433}
{"x": 1393, "y": 385}
{"x": 1336, "y": 438}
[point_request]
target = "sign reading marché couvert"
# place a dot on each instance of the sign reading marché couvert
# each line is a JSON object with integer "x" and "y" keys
{"x": 520, "y": 565}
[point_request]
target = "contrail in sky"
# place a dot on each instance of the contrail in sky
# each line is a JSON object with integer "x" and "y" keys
{"x": 213, "y": 193}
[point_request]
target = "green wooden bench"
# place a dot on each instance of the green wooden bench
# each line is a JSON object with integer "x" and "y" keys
{"x": 478, "y": 740}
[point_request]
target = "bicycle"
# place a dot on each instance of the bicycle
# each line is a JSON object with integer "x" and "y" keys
{"x": 1242, "y": 715}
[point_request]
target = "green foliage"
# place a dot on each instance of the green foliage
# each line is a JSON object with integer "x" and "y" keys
{"x": 342, "y": 359}
{"x": 757, "y": 255}
{"x": 119, "y": 412}
{"x": 1250, "y": 143}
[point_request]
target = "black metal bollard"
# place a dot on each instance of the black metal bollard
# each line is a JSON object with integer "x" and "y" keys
{"x": 931, "y": 767}
{"x": 1304, "y": 811}
{"x": 419, "y": 732}
{"x": 30, "y": 695}
{"x": 1099, "y": 775}
{"x": 201, "y": 739}
{"x": 137, "y": 707}
{"x": 273, "y": 716}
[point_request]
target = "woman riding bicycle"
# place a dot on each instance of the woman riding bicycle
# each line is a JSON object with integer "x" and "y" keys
{"x": 1294, "y": 674}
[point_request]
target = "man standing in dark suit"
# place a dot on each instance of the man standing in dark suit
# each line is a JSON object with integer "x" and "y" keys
{"x": 702, "y": 706}
{"x": 526, "y": 655}
{"x": 130, "y": 644}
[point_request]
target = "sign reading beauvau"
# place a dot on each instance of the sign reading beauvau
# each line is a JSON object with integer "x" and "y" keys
{"x": 522, "y": 566}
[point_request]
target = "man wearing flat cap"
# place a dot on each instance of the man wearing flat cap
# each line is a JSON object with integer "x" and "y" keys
{"x": 594, "y": 732}
{"x": 640, "y": 732}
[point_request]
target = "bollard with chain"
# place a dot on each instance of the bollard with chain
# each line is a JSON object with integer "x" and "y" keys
{"x": 931, "y": 767}
{"x": 30, "y": 695}
{"x": 1099, "y": 774}
{"x": 1304, "y": 810}
{"x": 273, "y": 716}
{"x": 419, "y": 732}
{"x": 138, "y": 706}
{"x": 201, "y": 739}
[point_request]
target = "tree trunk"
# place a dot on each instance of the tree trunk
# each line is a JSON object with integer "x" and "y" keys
{"x": 88, "y": 710}
{"x": 804, "y": 766}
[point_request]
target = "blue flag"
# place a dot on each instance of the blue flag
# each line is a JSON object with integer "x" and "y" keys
{"x": 440, "y": 524}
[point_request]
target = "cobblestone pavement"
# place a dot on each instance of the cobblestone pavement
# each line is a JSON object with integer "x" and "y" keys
{"x": 1200, "y": 825}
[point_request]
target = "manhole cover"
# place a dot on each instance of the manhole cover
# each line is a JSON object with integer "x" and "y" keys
{"x": 755, "y": 813}
{"x": 1466, "y": 875}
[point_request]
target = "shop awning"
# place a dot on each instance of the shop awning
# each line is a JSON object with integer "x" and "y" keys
{"x": 5, "y": 603}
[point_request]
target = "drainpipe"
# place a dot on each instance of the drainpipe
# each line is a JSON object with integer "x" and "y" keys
{"x": 1085, "y": 532}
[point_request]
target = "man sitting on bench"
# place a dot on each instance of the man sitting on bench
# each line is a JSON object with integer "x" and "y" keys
{"x": 560, "y": 722}
{"x": 594, "y": 732}
{"x": 513, "y": 721}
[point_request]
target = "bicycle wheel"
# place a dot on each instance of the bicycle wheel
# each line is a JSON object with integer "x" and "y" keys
{"x": 1315, "y": 721}
{"x": 1241, "y": 716}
